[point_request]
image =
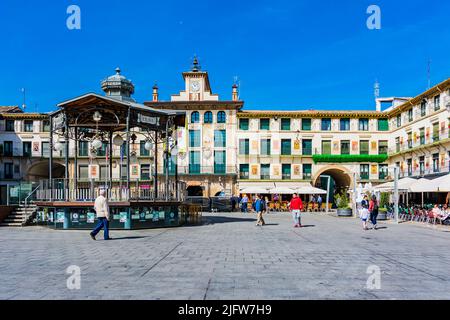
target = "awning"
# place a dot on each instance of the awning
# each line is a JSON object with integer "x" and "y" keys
{"x": 279, "y": 188}
{"x": 403, "y": 185}
{"x": 424, "y": 185}
{"x": 443, "y": 183}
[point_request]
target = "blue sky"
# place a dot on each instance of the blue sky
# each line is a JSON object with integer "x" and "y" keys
{"x": 289, "y": 55}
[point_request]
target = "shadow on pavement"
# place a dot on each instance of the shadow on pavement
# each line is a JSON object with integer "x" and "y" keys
{"x": 218, "y": 219}
{"x": 126, "y": 238}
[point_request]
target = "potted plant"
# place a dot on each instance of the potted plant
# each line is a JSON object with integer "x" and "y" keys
{"x": 382, "y": 208}
{"x": 343, "y": 205}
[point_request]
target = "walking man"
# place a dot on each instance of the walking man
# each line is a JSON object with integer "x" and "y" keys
{"x": 258, "y": 207}
{"x": 319, "y": 202}
{"x": 296, "y": 206}
{"x": 102, "y": 209}
{"x": 244, "y": 204}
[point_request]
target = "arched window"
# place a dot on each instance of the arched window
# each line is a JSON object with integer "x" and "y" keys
{"x": 195, "y": 117}
{"x": 221, "y": 117}
{"x": 208, "y": 117}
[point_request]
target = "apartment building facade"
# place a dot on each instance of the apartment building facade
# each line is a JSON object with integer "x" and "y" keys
{"x": 224, "y": 148}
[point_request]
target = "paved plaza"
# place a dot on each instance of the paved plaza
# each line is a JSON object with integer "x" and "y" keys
{"x": 228, "y": 257}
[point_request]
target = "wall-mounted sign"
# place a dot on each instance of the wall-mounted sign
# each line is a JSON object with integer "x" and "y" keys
{"x": 297, "y": 144}
{"x": 93, "y": 171}
{"x": 355, "y": 145}
{"x": 276, "y": 170}
{"x": 373, "y": 145}
{"x": 374, "y": 169}
{"x": 135, "y": 171}
{"x": 296, "y": 170}
{"x": 148, "y": 120}
{"x": 90, "y": 217}
{"x": 254, "y": 170}
{"x": 36, "y": 146}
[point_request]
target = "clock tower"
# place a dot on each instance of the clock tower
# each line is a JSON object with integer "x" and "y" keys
{"x": 197, "y": 86}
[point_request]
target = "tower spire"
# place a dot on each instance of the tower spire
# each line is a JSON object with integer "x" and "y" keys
{"x": 195, "y": 65}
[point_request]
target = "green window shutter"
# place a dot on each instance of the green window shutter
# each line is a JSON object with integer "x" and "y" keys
{"x": 286, "y": 124}
{"x": 306, "y": 124}
{"x": 383, "y": 125}
{"x": 243, "y": 124}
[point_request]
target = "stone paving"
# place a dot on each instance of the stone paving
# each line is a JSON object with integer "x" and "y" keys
{"x": 228, "y": 257}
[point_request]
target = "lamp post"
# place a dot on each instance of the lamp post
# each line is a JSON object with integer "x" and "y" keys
{"x": 396, "y": 194}
{"x": 328, "y": 191}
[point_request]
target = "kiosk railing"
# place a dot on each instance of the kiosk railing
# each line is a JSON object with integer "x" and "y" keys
{"x": 116, "y": 190}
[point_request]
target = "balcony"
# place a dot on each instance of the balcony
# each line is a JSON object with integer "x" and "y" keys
{"x": 421, "y": 142}
{"x": 307, "y": 151}
{"x": 364, "y": 176}
{"x": 244, "y": 175}
{"x": 307, "y": 176}
{"x": 286, "y": 176}
{"x": 265, "y": 176}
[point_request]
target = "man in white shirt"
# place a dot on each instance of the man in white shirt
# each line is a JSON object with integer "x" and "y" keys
{"x": 102, "y": 210}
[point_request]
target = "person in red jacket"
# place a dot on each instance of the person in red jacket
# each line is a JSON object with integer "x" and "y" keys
{"x": 295, "y": 206}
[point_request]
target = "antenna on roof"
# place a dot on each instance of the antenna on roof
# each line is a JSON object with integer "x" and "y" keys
{"x": 376, "y": 88}
{"x": 23, "y": 104}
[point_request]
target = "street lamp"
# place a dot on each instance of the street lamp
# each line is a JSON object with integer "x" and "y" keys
{"x": 328, "y": 191}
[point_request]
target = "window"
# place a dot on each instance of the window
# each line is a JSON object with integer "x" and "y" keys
{"x": 410, "y": 140}
{"x": 326, "y": 147}
{"x": 102, "y": 151}
{"x": 423, "y": 108}
{"x": 243, "y": 124}
{"x": 345, "y": 124}
{"x": 194, "y": 138}
{"x": 264, "y": 124}
{"x": 307, "y": 170}
{"x": 436, "y": 132}
{"x": 397, "y": 144}
{"x": 145, "y": 171}
{"x": 221, "y": 117}
{"x": 422, "y": 136}
{"x": 28, "y": 126}
{"x": 195, "y": 117}
{"x": 46, "y": 126}
{"x": 382, "y": 147}
{"x": 409, "y": 164}
{"x": 265, "y": 171}
{"x": 382, "y": 171}
{"x": 364, "y": 171}
{"x": 410, "y": 115}
{"x": 83, "y": 172}
{"x": 208, "y": 117}
{"x": 363, "y": 124}
{"x": 399, "y": 121}
{"x": 8, "y": 148}
{"x": 436, "y": 162}
{"x": 9, "y": 125}
{"x": 172, "y": 165}
{"x": 123, "y": 172}
{"x": 364, "y": 147}
{"x": 383, "y": 125}
{"x": 326, "y": 124}
{"x": 123, "y": 150}
{"x": 285, "y": 124}
{"x": 220, "y": 138}
{"x": 437, "y": 103}
{"x": 26, "y": 149}
{"x": 307, "y": 147}
{"x": 286, "y": 171}
{"x": 194, "y": 162}
{"x": 83, "y": 148}
{"x": 244, "y": 171}
{"x": 286, "y": 147}
{"x": 219, "y": 162}
{"x": 265, "y": 147}
{"x": 306, "y": 124}
{"x": 45, "y": 149}
{"x": 142, "y": 151}
{"x": 244, "y": 146}
{"x": 104, "y": 173}
{"x": 345, "y": 147}
{"x": 8, "y": 170}
{"x": 422, "y": 165}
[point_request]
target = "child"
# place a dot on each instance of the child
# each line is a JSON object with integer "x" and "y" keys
{"x": 364, "y": 215}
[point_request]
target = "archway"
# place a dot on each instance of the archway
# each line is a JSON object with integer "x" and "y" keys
{"x": 39, "y": 171}
{"x": 340, "y": 180}
{"x": 195, "y": 191}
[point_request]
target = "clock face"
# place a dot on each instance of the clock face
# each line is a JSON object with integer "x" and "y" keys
{"x": 195, "y": 86}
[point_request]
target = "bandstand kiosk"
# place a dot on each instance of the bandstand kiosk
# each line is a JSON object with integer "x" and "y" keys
{"x": 112, "y": 123}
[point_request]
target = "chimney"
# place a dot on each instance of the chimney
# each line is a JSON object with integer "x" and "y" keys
{"x": 155, "y": 93}
{"x": 235, "y": 96}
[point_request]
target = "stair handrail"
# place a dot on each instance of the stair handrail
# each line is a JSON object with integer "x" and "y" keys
{"x": 26, "y": 199}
